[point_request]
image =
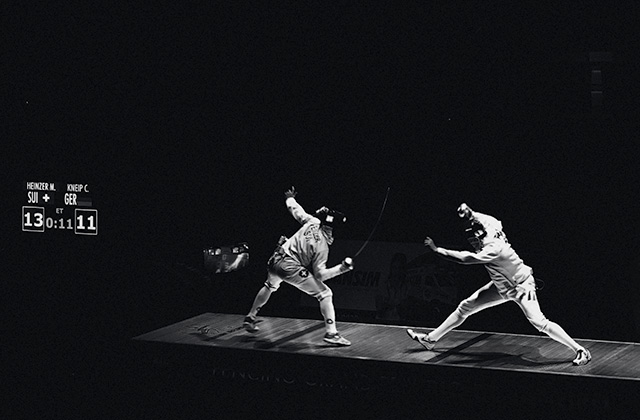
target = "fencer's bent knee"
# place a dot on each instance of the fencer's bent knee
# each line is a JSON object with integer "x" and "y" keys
{"x": 270, "y": 286}
{"x": 540, "y": 324}
{"x": 464, "y": 308}
{"x": 327, "y": 293}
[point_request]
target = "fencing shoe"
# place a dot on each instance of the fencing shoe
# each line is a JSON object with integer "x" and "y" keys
{"x": 336, "y": 339}
{"x": 249, "y": 324}
{"x": 422, "y": 338}
{"x": 583, "y": 356}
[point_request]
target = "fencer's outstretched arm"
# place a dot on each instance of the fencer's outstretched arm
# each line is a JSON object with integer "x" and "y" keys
{"x": 488, "y": 253}
{"x": 295, "y": 208}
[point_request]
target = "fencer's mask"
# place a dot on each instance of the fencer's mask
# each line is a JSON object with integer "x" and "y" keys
{"x": 329, "y": 221}
{"x": 330, "y": 218}
{"x": 480, "y": 228}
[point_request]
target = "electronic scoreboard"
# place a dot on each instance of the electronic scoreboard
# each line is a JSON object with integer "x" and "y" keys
{"x": 57, "y": 206}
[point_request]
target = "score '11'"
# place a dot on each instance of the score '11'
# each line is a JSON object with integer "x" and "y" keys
{"x": 86, "y": 222}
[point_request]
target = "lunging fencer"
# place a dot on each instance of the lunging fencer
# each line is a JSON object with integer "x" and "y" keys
{"x": 301, "y": 261}
{"x": 511, "y": 280}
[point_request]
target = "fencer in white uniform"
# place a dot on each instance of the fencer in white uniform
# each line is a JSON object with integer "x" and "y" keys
{"x": 511, "y": 280}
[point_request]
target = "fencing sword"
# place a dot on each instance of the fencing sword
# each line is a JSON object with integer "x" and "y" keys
{"x": 384, "y": 204}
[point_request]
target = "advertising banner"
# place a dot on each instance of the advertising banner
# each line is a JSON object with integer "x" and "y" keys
{"x": 392, "y": 280}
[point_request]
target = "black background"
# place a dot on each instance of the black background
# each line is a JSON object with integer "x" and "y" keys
{"x": 190, "y": 120}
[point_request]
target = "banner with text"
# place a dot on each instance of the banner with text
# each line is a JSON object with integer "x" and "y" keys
{"x": 395, "y": 280}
